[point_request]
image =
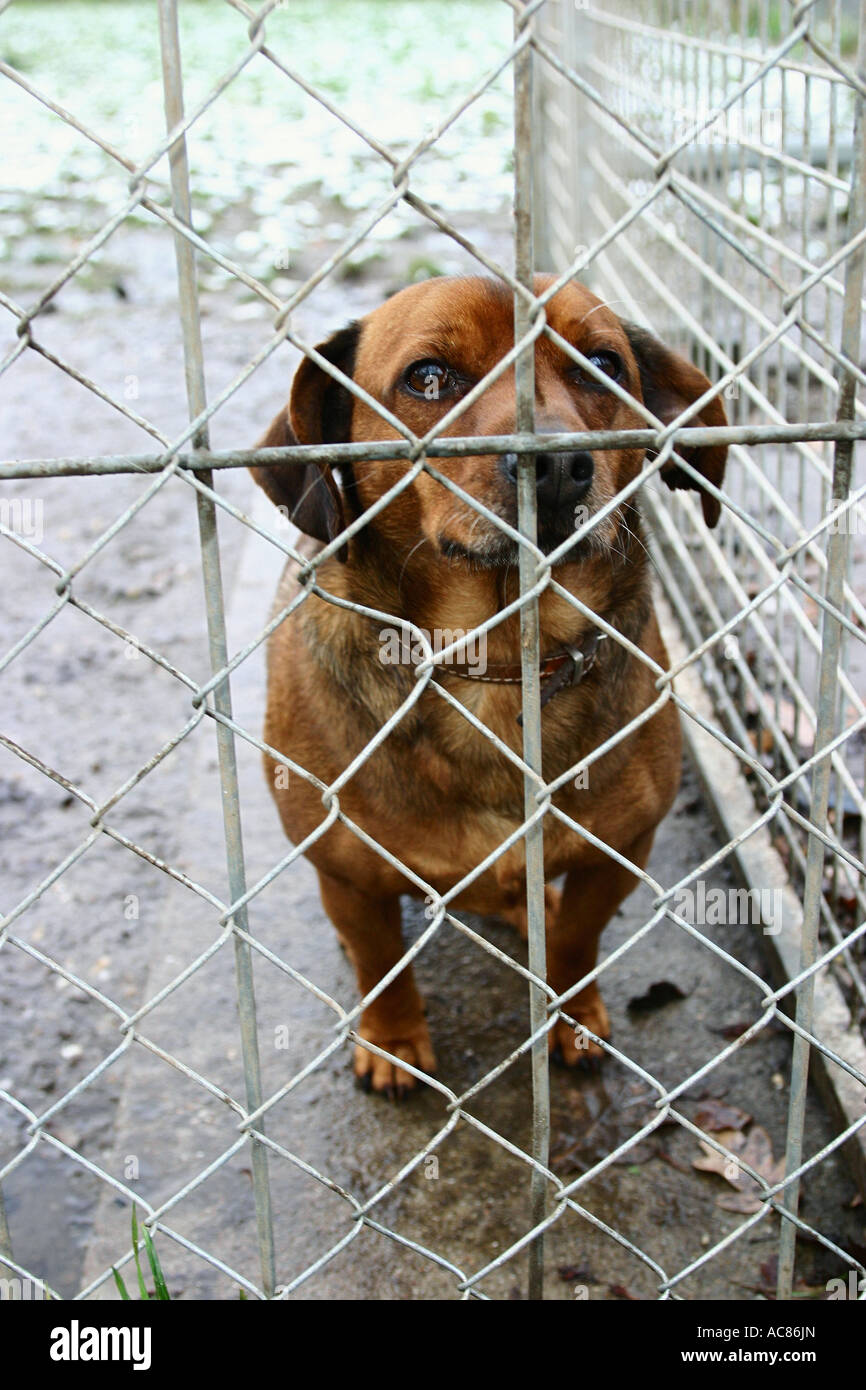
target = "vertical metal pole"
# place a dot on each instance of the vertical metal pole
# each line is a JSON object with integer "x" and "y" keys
{"x": 837, "y": 551}
{"x": 529, "y": 644}
{"x": 195, "y": 386}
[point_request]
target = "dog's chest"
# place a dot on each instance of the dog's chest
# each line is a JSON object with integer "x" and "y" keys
{"x": 452, "y": 793}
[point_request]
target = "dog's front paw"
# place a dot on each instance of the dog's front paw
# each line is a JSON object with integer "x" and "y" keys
{"x": 379, "y": 1074}
{"x": 572, "y": 1046}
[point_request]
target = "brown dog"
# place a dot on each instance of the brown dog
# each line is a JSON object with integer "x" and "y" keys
{"x": 437, "y": 793}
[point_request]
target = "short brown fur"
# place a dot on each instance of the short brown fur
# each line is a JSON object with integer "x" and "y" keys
{"x": 436, "y": 793}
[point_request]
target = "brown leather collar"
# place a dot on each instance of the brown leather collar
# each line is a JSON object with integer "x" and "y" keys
{"x": 558, "y": 671}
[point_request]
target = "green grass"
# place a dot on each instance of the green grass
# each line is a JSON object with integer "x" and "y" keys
{"x": 160, "y": 1292}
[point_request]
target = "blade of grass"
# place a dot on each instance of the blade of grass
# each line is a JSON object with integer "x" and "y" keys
{"x": 159, "y": 1283}
{"x": 142, "y": 1287}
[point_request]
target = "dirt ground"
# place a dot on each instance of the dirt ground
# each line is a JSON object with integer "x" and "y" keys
{"x": 76, "y": 699}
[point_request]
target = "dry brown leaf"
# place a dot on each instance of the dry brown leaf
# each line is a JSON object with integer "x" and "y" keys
{"x": 715, "y": 1114}
{"x": 754, "y": 1149}
{"x": 714, "y": 1162}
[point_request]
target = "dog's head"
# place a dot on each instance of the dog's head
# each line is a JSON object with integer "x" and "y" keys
{"x": 423, "y": 351}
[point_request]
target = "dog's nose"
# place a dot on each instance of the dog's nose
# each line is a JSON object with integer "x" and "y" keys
{"x": 561, "y": 480}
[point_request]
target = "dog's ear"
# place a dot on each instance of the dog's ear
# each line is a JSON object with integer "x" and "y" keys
{"x": 669, "y": 383}
{"x": 320, "y": 409}
{"x": 319, "y": 412}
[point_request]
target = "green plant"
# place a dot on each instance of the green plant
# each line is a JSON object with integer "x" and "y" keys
{"x": 161, "y": 1292}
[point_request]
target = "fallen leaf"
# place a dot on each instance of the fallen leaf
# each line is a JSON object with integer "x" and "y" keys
{"x": 754, "y": 1150}
{"x": 743, "y": 1202}
{"x": 714, "y": 1114}
{"x": 661, "y": 993}
{"x": 712, "y": 1161}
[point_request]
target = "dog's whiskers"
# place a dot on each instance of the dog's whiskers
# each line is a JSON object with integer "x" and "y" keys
{"x": 423, "y": 541}
{"x": 605, "y": 304}
{"x": 635, "y": 537}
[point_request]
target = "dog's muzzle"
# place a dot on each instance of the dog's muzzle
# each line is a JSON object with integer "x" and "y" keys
{"x": 561, "y": 480}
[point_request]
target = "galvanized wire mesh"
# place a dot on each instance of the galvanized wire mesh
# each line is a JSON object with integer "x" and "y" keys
{"x": 767, "y": 232}
{"x": 759, "y": 194}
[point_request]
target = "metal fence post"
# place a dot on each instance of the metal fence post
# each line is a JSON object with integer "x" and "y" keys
{"x": 529, "y": 640}
{"x": 827, "y": 706}
{"x": 194, "y": 364}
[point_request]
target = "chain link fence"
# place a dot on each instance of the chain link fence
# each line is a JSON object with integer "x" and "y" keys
{"x": 701, "y": 165}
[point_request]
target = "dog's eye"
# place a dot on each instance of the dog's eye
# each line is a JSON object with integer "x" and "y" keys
{"x": 608, "y": 362}
{"x": 430, "y": 380}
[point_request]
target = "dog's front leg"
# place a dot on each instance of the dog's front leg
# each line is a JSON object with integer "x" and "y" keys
{"x": 589, "y": 899}
{"x": 369, "y": 928}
